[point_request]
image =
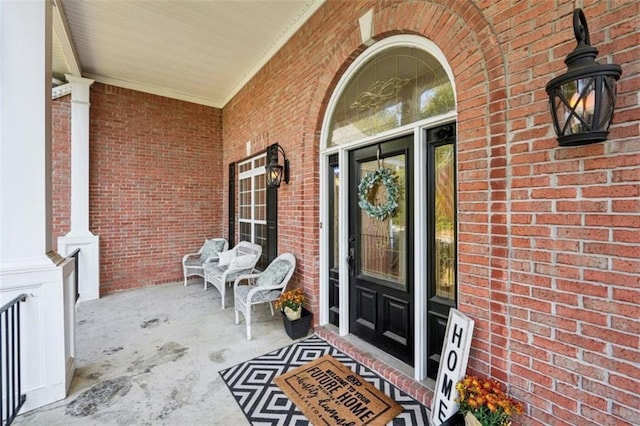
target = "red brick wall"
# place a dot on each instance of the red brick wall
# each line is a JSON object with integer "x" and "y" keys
{"x": 155, "y": 188}
{"x": 61, "y": 167}
{"x": 548, "y": 236}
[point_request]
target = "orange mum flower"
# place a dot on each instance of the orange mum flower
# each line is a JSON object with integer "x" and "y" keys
{"x": 485, "y": 400}
{"x": 292, "y": 299}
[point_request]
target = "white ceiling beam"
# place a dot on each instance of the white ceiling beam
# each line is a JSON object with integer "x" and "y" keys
{"x": 154, "y": 90}
{"x": 60, "y": 27}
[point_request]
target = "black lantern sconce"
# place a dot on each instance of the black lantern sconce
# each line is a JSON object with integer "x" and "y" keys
{"x": 582, "y": 100}
{"x": 275, "y": 172}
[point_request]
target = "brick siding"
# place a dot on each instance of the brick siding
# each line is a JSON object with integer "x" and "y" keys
{"x": 155, "y": 185}
{"x": 61, "y": 168}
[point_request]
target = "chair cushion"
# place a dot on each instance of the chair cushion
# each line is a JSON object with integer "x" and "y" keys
{"x": 226, "y": 257}
{"x": 214, "y": 272}
{"x": 210, "y": 248}
{"x": 259, "y": 296}
{"x": 275, "y": 273}
{"x": 193, "y": 261}
{"x": 243, "y": 261}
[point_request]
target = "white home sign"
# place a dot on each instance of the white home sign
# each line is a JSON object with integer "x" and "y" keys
{"x": 453, "y": 366}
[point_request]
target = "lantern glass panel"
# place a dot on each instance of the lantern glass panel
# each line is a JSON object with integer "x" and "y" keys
{"x": 607, "y": 102}
{"x": 581, "y": 108}
{"x": 561, "y": 99}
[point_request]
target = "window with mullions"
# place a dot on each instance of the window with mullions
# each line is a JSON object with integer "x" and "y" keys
{"x": 252, "y": 205}
{"x": 398, "y": 86}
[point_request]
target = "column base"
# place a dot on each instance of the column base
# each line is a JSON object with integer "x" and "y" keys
{"x": 47, "y": 328}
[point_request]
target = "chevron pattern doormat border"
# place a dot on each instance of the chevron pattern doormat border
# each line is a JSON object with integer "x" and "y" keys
{"x": 264, "y": 403}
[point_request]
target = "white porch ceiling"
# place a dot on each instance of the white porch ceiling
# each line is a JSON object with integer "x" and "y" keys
{"x": 201, "y": 51}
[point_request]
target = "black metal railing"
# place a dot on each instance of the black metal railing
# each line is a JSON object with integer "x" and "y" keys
{"x": 76, "y": 255}
{"x": 12, "y": 397}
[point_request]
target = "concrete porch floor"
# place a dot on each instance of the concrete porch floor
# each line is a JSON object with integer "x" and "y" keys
{"x": 151, "y": 356}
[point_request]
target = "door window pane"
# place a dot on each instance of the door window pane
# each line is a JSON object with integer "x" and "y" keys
{"x": 335, "y": 223}
{"x": 445, "y": 222}
{"x": 383, "y": 242}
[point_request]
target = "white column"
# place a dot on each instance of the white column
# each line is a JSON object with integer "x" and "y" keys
{"x": 80, "y": 91}
{"x": 25, "y": 115}
{"x": 80, "y": 236}
{"x": 27, "y": 263}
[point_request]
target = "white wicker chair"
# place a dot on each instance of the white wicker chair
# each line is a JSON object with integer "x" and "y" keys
{"x": 193, "y": 263}
{"x": 245, "y": 257}
{"x": 264, "y": 287}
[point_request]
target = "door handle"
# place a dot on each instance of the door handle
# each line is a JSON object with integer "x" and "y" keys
{"x": 351, "y": 258}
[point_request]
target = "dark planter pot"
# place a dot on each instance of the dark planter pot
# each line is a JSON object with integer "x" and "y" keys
{"x": 300, "y": 327}
{"x": 456, "y": 420}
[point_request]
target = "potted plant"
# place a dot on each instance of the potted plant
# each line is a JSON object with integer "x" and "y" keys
{"x": 296, "y": 319}
{"x": 483, "y": 402}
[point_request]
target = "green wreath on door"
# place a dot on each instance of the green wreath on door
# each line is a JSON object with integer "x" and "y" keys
{"x": 382, "y": 176}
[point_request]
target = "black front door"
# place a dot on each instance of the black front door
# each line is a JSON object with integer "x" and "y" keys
{"x": 381, "y": 288}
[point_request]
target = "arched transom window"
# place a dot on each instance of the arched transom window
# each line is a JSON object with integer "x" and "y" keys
{"x": 398, "y": 86}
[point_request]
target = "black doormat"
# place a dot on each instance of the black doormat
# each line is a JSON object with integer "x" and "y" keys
{"x": 264, "y": 403}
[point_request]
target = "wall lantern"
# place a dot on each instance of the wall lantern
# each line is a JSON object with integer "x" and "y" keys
{"x": 275, "y": 172}
{"x": 582, "y": 100}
